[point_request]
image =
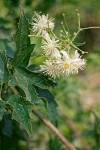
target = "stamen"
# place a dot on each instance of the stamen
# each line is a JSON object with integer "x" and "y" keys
{"x": 67, "y": 64}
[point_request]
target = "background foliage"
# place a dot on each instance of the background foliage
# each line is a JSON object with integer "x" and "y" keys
{"x": 78, "y": 97}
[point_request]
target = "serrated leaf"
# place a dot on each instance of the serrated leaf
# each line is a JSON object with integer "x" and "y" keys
{"x": 4, "y": 74}
{"x": 25, "y": 79}
{"x": 26, "y": 85}
{"x": 21, "y": 110}
{"x": 8, "y": 126}
{"x": 2, "y": 109}
{"x": 22, "y": 40}
{"x": 37, "y": 79}
{"x": 51, "y": 103}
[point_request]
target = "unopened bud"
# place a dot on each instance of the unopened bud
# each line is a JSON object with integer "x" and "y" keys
{"x": 63, "y": 14}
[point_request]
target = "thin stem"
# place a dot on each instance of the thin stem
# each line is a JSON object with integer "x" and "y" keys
{"x": 90, "y": 28}
{"x": 66, "y": 23}
{"x": 50, "y": 126}
{"x": 63, "y": 27}
{"x": 73, "y": 45}
{"x": 78, "y": 18}
{"x": 54, "y": 130}
{"x": 81, "y": 29}
{"x": 76, "y": 34}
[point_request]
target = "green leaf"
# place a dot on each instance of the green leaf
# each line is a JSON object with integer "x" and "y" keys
{"x": 25, "y": 79}
{"x": 2, "y": 109}
{"x": 37, "y": 41}
{"x": 55, "y": 144}
{"x": 4, "y": 74}
{"x": 79, "y": 44}
{"x": 25, "y": 84}
{"x": 38, "y": 79}
{"x": 8, "y": 126}
{"x": 51, "y": 103}
{"x": 22, "y": 40}
{"x": 97, "y": 128}
{"x": 21, "y": 110}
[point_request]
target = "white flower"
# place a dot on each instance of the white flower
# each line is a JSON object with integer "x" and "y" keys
{"x": 70, "y": 65}
{"x": 42, "y": 23}
{"x": 50, "y": 46}
{"x": 63, "y": 66}
{"x": 51, "y": 25}
{"x": 50, "y": 68}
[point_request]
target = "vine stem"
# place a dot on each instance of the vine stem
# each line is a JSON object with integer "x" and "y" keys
{"x": 87, "y": 28}
{"x": 81, "y": 29}
{"x": 68, "y": 145}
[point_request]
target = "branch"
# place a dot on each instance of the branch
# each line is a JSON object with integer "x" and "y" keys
{"x": 54, "y": 130}
{"x": 50, "y": 126}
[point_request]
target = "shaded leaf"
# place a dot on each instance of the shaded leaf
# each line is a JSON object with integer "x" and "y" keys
{"x": 26, "y": 85}
{"x": 79, "y": 44}
{"x": 21, "y": 110}
{"x": 97, "y": 129}
{"x": 4, "y": 74}
{"x": 55, "y": 144}
{"x": 22, "y": 40}
{"x": 25, "y": 79}
{"x": 2, "y": 109}
{"x": 8, "y": 127}
{"x": 51, "y": 103}
{"x": 37, "y": 79}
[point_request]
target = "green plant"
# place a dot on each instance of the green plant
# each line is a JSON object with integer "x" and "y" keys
{"x": 24, "y": 86}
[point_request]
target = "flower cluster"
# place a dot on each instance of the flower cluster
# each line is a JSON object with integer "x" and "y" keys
{"x": 59, "y": 62}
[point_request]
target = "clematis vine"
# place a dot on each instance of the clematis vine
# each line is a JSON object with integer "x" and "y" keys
{"x": 60, "y": 60}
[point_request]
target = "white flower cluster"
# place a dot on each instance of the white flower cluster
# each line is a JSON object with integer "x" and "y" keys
{"x": 59, "y": 62}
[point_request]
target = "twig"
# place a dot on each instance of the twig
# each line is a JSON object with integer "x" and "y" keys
{"x": 89, "y": 28}
{"x": 50, "y": 126}
{"x": 54, "y": 130}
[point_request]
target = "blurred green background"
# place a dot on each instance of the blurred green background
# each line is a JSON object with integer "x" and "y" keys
{"x": 78, "y": 96}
